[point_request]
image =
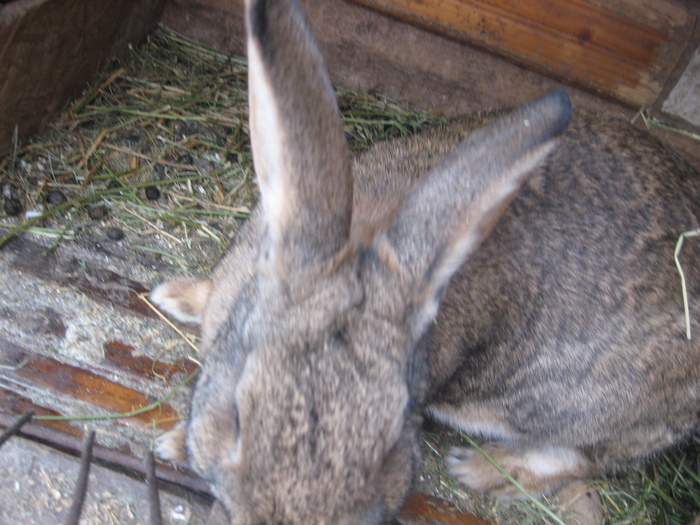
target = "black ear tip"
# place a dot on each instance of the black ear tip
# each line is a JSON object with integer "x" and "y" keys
{"x": 562, "y": 97}
{"x": 560, "y": 101}
{"x": 553, "y": 110}
{"x": 258, "y": 19}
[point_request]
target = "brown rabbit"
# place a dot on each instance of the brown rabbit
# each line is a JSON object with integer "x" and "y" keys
{"x": 561, "y": 336}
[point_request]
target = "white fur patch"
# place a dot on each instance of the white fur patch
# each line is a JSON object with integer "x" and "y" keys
{"x": 539, "y": 469}
{"x": 268, "y": 141}
{"x": 184, "y": 299}
{"x": 550, "y": 460}
{"x": 484, "y": 424}
{"x": 171, "y": 446}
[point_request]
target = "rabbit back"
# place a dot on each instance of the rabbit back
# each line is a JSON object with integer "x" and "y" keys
{"x": 566, "y": 326}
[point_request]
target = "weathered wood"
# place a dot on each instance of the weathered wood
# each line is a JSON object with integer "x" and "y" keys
{"x": 122, "y": 358}
{"x": 15, "y": 404}
{"x": 101, "y": 285}
{"x": 49, "y": 49}
{"x": 83, "y": 385}
{"x": 421, "y": 509}
{"x": 626, "y": 56}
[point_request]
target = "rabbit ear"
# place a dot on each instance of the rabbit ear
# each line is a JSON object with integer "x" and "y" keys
{"x": 299, "y": 148}
{"x": 455, "y": 206}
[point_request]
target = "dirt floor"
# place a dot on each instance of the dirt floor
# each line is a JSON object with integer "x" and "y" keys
{"x": 41, "y": 482}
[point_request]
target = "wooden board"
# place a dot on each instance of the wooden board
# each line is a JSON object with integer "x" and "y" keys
{"x": 49, "y": 50}
{"x": 624, "y": 49}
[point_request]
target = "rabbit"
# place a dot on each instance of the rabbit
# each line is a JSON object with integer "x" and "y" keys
{"x": 516, "y": 282}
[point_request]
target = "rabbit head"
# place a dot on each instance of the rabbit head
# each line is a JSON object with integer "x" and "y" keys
{"x": 307, "y": 408}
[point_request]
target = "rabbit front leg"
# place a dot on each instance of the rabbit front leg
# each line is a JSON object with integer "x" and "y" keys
{"x": 171, "y": 446}
{"x": 184, "y": 298}
{"x": 539, "y": 469}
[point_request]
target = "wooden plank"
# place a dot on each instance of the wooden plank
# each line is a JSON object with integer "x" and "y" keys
{"x": 84, "y": 385}
{"x": 101, "y": 285}
{"x": 627, "y": 53}
{"x": 422, "y": 509}
{"x": 49, "y": 49}
{"x": 14, "y": 403}
{"x": 121, "y": 358}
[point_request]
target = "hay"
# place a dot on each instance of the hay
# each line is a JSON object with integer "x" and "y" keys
{"x": 676, "y": 253}
{"x": 651, "y": 122}
{"x": 172, "y": 116}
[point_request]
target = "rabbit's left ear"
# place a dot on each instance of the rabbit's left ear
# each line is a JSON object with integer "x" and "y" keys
{"x": 453, "y": 208}
{"x": 299, "y": 148}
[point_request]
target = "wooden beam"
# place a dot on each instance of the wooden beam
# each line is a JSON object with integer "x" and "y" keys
{"x": 626, "y": 53}
{"x": 49, "y": 50}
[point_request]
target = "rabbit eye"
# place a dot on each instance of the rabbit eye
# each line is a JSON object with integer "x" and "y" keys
{"x": 236, "y": 424}
{"x": 340, "y": 334}
{"x": 232, "y": 417}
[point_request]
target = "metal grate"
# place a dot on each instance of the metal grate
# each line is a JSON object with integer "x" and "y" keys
{"x": 86, "y": 456}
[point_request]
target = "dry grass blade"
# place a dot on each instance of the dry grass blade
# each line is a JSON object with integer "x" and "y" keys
{"x": 653, "y": 122}
{"x": 676, "y": 253}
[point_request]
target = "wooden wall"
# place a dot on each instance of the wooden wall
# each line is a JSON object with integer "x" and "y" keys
{"x": 49, "y": 49}
{"x": 452, "y": 56}
{"x": 456, "y": 56}
{"x": 624, "y": 49}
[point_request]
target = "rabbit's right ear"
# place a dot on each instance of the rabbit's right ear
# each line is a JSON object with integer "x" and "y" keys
{"x": 301, "y": 157}
{"x": 454, "y": 207}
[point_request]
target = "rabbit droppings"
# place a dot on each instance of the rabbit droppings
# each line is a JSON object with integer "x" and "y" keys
{"x": 560, "y": 338}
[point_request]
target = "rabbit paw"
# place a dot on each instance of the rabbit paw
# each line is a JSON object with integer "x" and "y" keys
{"x": 540, "y": 470}
{"x": 183, "y": 298}
{"x": 171, "y": 446}
{"x": 580, "y": 504}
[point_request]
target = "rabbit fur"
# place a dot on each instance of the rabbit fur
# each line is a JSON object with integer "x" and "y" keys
{"x": 560, "y": 339}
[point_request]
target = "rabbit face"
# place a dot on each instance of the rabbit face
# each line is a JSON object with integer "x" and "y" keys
{"x": 290, "y": 420}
